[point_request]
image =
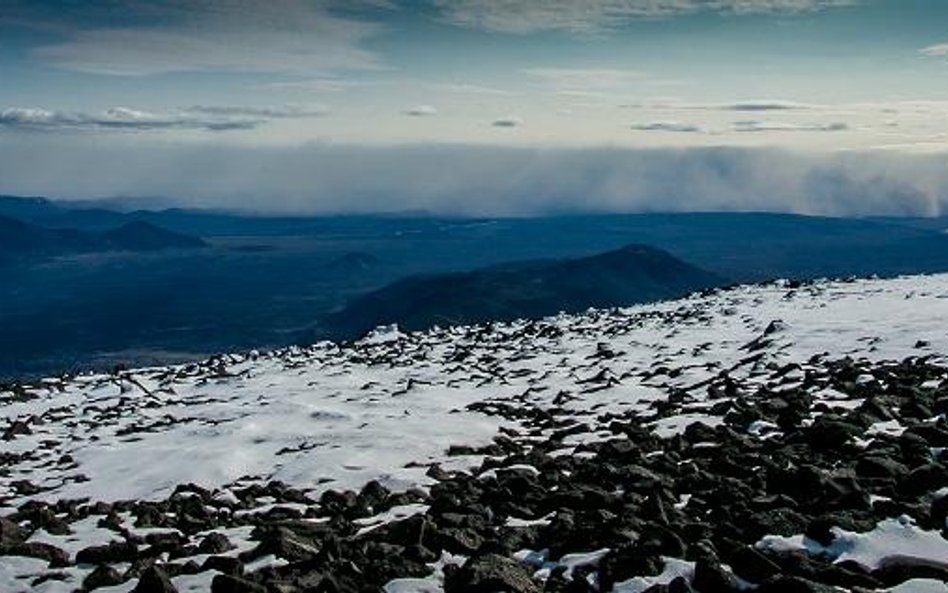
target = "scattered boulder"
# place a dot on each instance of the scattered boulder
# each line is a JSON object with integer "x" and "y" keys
{"x": 490, "y": 573}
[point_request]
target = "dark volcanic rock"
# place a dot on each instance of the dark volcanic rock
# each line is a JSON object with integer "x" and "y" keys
{"x": 488, "y": 574}
{"x": 154, "y": 580}
{"x": 224, "y": 564}
{"x": 11, "y": 534}
{"x": 102, "y": 576}
{"x": 224, "y": 583}
{"x": 214, "y": 543}
{"x": 56, "y": 557}
{"x": 107, "y": 554}
{"x": 786, "y": 584}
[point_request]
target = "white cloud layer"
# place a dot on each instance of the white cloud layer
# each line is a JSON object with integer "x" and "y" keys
{"x": 453, "y": 179}
{"x": 592, "y": 16}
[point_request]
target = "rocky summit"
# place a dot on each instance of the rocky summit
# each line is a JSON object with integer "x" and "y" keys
{"x": 778, "y": 438}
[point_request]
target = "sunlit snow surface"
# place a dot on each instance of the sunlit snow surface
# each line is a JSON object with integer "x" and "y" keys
{"x": 335, "y": 417}
{"x": 332, "y": 416}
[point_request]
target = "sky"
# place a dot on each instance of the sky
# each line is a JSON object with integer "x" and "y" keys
{"x": 477, "y": 105}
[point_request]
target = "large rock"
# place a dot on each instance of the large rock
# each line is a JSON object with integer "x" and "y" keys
{"x": 224, "y": 583}
{"x": 786, "y": 584}
{"x": 55, "y": 556}
{"x": 154, "y": 580}
{"x": 490, "y": 573}
{"x": 102, "y": 576}
{"x": 11, "y": 534}
{"x": 107, "y": 554}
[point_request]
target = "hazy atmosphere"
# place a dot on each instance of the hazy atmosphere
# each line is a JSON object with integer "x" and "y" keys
{"x": 480, "y": 106}
{"x": 473, "y": 296}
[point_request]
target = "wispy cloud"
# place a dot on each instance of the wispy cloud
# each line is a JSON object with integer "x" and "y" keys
{"x": 117, "y": 118}
{"x": 509, "y": 121}
{"x": 668, "y": 126}
{"x": 421, "y": 111}
{"x": 462, "y": 88}
{"x": 764, "y": 106}
{"x": 202, "y": 117}
{"x": 936, "y": 51}
{"x": 287, "y": 36}
{"x": 269, "y": 112}
{"x": 584, "y": 78}
{"x": 327, "y": 84}
{"x": 585, "y": 17}
{"x": 773, "y": 126}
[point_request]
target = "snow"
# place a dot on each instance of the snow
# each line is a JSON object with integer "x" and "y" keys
{"x": 434, "y": 583}
{"x": 85, "y": 533}
{"x": 542, "y": 521}
{"x": 675, "y": 425}
{"x": 893, "y": 540}
{"x": 673, "y": 569}
{"x": 385, "y": 408}
{"x": 890, "y": 428}
{"x": 318, "y": 417}
{"x": 396, "y": 513}
{"x": 920, "y": 586}
{"x": 539, "y": 560}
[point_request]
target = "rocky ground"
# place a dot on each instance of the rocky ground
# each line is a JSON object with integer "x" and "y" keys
{"x": 803, "y": 449}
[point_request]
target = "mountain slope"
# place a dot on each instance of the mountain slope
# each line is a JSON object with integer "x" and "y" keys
{"x": 632, "y": 274}
{"x": 18, "y": 238}
{"x": 786, "y": 437}
{"x": 144, "y": 236}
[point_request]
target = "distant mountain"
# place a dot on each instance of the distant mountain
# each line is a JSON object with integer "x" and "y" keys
{"x": 355, "y": 261}
{"x": 18, "y": 238}
{"x": 633, "y": 274}
{"x": 144, "y": 236}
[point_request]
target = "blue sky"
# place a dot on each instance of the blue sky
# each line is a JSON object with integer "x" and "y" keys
{"x": 809, "y": 76}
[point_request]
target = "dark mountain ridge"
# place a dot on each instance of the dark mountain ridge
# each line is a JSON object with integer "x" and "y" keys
{"x": 18, "y": 238}
{"x": 626, "y": 276}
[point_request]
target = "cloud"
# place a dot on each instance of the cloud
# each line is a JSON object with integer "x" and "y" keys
{"x": 936, "y": 51}
{"x": 585, "y": 16}
{"x": 469, "y": 89}
{"x": 486, "y": 180}
{"x": 668, "y": 126}
{"x": 421, "y": 111}
{"x": 510, "y": 121}
{"x": 764, "y": 106}
{"x": 764, "y": 126}
{"x": 328, "y": 84}
{"x": 285, "y": 36}
{"x": 580, "y": 78}
{"x": 200, "y": 117}
{"x": 116, "y": 118}
{"x": 274, "y": 112}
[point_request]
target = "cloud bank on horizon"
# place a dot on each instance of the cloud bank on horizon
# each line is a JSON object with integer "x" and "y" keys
{"x": 860, "y": 82}
{"x": 483, "y": 180}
